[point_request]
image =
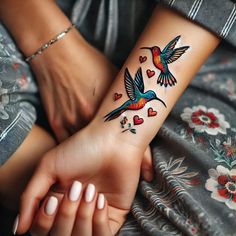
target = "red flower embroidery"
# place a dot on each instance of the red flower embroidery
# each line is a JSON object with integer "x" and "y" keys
{"x": 222, "y": 184}
{"x": 202, "y": 119}
{"x": 227, "y": 186}
{"x": 205, "y": 118}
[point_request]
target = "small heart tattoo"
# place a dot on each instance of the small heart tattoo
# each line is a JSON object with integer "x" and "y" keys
{"x": 117, "y": 96}
{"x": 150, "y": 73}
{"x": 151, "y": 112}
{"x": 137, "y": 120}
{"x": 142, "y": 59}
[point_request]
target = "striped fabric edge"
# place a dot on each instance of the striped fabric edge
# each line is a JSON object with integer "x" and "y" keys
{"x": 193, "y": 9}
{"x": 229, "y": 23}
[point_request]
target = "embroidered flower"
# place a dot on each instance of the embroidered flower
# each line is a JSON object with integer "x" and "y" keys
{"x": 222, "y": 184}
{"x": 202, "y": 119}
{"x": 225, "y": 151}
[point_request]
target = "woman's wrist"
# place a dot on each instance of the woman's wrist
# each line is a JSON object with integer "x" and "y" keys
{"x": 112, "y": 138}
{"x": 34, "y": 22}
{"x": 157, "y": 72}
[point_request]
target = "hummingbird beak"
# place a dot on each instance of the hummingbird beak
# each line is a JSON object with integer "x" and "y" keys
{"x": 160, "y": 101}
{"x": 146, "y": 48}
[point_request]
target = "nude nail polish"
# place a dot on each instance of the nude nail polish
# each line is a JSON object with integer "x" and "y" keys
{"x": 90, "y": 193}
{"x": 15, "y": 226}
{"x": 51, "y": 206}
{"x": 100, "y": 201}
{"x": 75, "y": 191}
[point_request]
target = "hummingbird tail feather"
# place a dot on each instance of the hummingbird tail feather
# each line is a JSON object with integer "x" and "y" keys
{"x": 113, "y": 114}
{"x": 166, "y": 79}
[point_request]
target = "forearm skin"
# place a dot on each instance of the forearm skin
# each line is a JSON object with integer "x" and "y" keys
{"x": 164, "y": 26}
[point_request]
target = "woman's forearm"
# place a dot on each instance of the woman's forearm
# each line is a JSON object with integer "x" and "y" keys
{"x": 135, "y": 115}
{"x": 31, "y": 22}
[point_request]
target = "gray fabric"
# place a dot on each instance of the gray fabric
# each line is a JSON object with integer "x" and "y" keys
{"x": 112, "y": 26}
{"x": 128, "y": 19}
{"x": 218, "y": 16}
{"x": 17, "y": 93}
{"x": 183, "y": 199}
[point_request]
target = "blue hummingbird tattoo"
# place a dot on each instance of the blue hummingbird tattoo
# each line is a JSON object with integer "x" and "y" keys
{"x": 137, "y": 97}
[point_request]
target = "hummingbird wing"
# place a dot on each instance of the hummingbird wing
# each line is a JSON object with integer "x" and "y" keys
{"x": 139, "y": 80}
{"x": 174, "y": 55}
{"x": 130, "y": 86}
{"x": 171, "y": 45}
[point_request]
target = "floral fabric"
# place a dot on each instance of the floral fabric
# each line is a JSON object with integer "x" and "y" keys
{"x": 17, "y": 96}
{"x": 194, "y": 155}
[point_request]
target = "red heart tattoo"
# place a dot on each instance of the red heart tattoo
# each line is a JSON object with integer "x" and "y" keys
{"x": 150, "y": 73}
{"x": 137, "y": 120}
{"x": 151, "y": 112}
{"x": 117, "y": 96}
{"x": 142, "y": 59}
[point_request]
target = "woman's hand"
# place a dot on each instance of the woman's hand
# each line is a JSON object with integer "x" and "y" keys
{"x": 82, "y": 211}
{"x": 93, "y": 155}
{"x": 72, "y": 77}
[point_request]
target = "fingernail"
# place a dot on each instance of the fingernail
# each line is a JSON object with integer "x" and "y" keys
{"x": 90, "y": 192}
{"x": 51, "y": 206}
{"x": 75, "y": 191}
{"x": 100, "y": 201}
{"x": 15, "y": 226}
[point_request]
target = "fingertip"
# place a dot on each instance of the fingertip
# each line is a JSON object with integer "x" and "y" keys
{"x": 51, "y": 206}
{"x": 90, "y": 193}
{"x": 100, "y": 216}
{"x": 15, "y": 225}
{"x": 147, "y": 175}
{"x": 75, "y": 191}
{"x": 100, "y": 201}
{"x": 25, "y": 217}
{"x": 36, "y": 190}
{"x": 101, "y": 224}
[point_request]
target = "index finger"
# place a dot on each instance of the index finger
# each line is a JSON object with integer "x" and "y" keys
{"x": 37, "y": 188}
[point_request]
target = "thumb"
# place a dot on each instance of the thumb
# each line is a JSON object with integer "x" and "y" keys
{"x": 37, "y": 188}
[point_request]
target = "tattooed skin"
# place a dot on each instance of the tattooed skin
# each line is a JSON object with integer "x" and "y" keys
{"x": 137, "y": 97}
{"x": 127, "y": 126}
{"x": 161, "y": 59}
{"x": 151, "y": 112}
{"x": 117, "y": 96}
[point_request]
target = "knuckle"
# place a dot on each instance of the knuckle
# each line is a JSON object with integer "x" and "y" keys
{"x": 41, "y": 226}
{"x": 55, "y": 123}
{"x": 84, "y": 215}
{"x": 71, "y": 119}
{"x": 99, "y": 220}
{"x": 67, "y": 213}
{"x": 88, "y": 112}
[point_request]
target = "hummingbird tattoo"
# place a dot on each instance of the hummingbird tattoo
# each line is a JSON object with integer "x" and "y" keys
{"x": 137, "y": 97}
{"x": 161, "y": 59}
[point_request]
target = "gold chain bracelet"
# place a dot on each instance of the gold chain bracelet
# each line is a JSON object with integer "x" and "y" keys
{"x": 49, "y": 43}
